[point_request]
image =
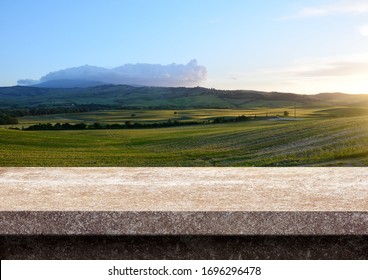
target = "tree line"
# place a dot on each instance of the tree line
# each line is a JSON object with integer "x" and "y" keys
{"x": 36, "y": 111}
{"x": 132, "y": 125}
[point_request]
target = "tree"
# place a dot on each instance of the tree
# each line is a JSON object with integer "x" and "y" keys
{"x": 97, "y": 125}
{"x": 7, "y": 119}
{"x": 286, "y": 113}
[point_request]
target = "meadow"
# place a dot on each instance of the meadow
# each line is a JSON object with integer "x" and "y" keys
{"x": 152, "y": 116}
{"x": 317, "y": 137}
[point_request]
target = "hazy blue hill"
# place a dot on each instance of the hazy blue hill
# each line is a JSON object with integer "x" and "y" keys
{"x": 166, "y": 97}
{"x": 69, "y": 84}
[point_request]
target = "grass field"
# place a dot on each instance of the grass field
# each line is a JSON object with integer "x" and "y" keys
{"x": 149, "y": 116}
{"x": 322, "y": 137}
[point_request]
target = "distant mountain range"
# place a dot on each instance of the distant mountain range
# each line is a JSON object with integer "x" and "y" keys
{"x": 75, "y": 92}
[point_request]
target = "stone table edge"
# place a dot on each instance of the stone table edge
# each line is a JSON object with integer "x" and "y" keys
{"x": 183, "y": 223}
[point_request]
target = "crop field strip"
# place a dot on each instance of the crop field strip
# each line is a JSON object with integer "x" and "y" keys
{"x": 149, "y": 116}
{"x": 314, "y": 141}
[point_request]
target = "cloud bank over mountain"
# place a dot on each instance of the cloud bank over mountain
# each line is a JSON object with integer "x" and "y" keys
{"x": 171, "y": 75}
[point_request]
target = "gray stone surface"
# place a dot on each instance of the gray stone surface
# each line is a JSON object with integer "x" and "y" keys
{"x": 184, "y": 247}
{"x": 183, "y": 223}
{"x": 182, "y": 201}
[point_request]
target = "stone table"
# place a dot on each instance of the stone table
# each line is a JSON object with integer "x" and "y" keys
{"x": 183, "y": 213}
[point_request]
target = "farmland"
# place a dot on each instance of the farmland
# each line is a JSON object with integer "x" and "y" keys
{"x": 318, "y": 137}
{"x": 330, "y": 129}
{"x": 151, "y": 116}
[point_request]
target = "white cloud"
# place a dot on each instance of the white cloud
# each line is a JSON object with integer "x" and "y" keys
{"x": 363, "y": 30}
{"x": 190, "y": 74}
{"x": 353, "y": 7}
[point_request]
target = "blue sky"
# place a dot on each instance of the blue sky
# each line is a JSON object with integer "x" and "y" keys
{"x": 294, "y": 46}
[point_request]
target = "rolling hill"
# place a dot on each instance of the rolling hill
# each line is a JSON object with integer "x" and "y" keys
{"x": 127, "y": 96}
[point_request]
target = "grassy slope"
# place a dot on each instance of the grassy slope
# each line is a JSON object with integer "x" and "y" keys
{"x": 330, "y": 134}
{"x": 313, "y": 141}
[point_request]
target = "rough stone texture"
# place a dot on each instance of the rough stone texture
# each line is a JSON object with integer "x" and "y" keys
{"x": 182, "y": 201}
{"x": 183, "y": 213}
{"x": 184, "y": 247}
{"x": 183, "y": 223}
{"x": 184, "y": 189}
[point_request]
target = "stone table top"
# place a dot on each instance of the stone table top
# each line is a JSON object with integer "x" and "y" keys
{"x": 182, "y": 201}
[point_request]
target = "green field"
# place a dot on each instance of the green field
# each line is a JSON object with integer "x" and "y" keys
{"x": 150, "y": 116}
{"x": 319, "y": 137}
